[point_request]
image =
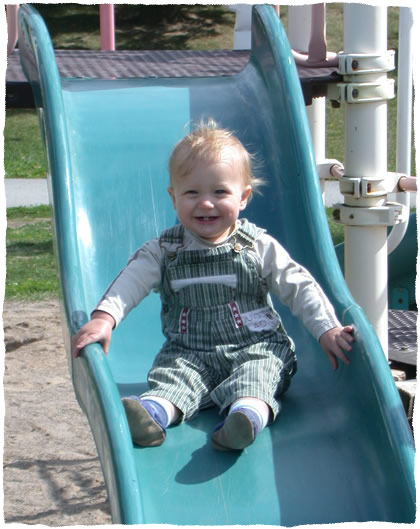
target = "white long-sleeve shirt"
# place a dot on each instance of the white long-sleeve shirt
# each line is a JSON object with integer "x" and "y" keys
{"x": 291, "y": 283}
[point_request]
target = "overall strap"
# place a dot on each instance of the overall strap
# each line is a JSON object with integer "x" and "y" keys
{"x": 248, "y": 233}
{"x": 174, "y": 235}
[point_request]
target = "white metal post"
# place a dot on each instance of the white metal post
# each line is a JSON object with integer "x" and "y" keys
{"x": 299, "y": 26}
{"x": 299, "y": 32}
{"x": 317, "y": 123}
{"x": 405, "y": 90}
{"x": 243, "y": 22}
{"x": 404, "y": 119}
{"x": 366, "y": 265}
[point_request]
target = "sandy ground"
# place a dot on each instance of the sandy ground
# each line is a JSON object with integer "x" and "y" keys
{"x": 52, "y": 474}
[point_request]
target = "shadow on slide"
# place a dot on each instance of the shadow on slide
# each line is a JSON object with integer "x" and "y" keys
{"x": 341, "y": 449}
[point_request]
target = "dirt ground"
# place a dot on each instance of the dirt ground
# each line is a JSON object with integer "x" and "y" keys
{"x": 52, "y": 474}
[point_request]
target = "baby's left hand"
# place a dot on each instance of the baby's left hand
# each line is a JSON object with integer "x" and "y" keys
{"x": 335, "y": 341}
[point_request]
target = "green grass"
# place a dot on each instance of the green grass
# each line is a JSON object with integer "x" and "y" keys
{"x": 30, "y": 267}
{"x": 24, "y": 154}
{"x": 28, "y": 213}
{"x": 336, "y": 230}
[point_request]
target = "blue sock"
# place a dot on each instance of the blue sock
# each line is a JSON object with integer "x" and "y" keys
{"x": 253, "y": 416}
{"x": 154, "y": 409}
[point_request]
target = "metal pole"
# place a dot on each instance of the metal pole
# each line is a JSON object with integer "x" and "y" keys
{"x": 366, "y": 264}
{"x": 300, "y": 26}
{"x": 405, "y": 91}
{"x": 404, "y": 119}
{"x": 12, "y": 30}
{"x": 107, "y": 25}
{"x": 243, "y": 23}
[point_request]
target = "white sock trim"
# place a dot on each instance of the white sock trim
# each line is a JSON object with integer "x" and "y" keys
{"x": 172, "y": 411}
{"x": 258, "y": 406}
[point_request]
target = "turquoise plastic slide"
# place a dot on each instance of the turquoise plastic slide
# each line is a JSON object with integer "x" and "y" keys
{"x": 341, "y": 449}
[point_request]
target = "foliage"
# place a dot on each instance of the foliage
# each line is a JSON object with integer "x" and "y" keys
{"x": 142, "y": 27}
{"x": 30, "y": 267}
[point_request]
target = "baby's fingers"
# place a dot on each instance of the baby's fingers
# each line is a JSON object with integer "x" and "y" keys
{"x": 332, "y": 359}
{"x": 99, "y": 329}
{"x": 347, "y": 333}
{"x": 342, "y": 356}
{"x": 346, "y": 338}
{"x": 344, "y": 343}
{"x": 336, "y": 351}
{"x": 80, "y": 341}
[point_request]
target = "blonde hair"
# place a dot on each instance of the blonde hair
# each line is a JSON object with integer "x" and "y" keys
{"x": 208, "y": 143}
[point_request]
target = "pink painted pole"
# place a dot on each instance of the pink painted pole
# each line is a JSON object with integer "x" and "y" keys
{"x": 317, "y": 49}
{"x": 12, "y": 32}
{"x": 107, "y": 25}
{"x": 408, "y": 183}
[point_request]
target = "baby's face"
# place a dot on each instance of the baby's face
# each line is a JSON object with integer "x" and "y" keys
{"x": 209, "y": 199}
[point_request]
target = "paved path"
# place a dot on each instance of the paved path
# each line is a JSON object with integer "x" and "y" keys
{"x": 26, "y": 192}
{"x": 34, "y": 192}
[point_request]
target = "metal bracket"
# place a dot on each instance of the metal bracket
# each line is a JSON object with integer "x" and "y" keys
{"x": 389, "y": 215}
{"x": 369, "y": 187}
{"x": 362, "y": 92}
{"x": 374, "y": 87}
{"x": 324, "y": 167}
{"x": 379, "y": 187}
{"x": 354, "y": 64}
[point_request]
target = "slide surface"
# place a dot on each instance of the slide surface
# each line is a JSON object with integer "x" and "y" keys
{"x": 341, "y": 449}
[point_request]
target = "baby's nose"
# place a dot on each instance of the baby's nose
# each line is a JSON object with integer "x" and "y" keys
{"x": 206, "y": 202}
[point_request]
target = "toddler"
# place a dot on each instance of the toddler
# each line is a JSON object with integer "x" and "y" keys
{"x": 225, "y": 343}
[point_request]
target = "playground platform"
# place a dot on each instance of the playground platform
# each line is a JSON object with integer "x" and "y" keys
{"x": 125, "y": 64}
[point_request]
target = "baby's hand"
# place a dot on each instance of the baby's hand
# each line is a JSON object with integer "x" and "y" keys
{"x": 335, "y": 341}
{"x": 98, "y": 329}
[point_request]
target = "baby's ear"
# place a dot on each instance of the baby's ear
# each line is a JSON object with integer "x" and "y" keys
{"x": 172, "y": 195}
{"x": 246, "y": 193}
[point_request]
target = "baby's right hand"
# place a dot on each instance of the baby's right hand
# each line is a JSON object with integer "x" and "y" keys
{"x": 98, "y": 329}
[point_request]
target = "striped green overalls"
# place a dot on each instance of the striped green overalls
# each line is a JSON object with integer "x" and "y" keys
{"x": 223, "y": 338}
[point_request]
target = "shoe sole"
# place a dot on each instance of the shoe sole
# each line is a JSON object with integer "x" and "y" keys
{"x": 236, "y": 434}
{"x": 145, "y": 431}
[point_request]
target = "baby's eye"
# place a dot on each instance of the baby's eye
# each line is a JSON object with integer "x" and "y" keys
{"x": 221, "y": 191}
{"x": 190, "y": 192}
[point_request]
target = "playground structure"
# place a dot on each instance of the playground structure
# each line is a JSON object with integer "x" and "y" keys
{"x": 365, "y": 183}
{"x": 364, "y": 468}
